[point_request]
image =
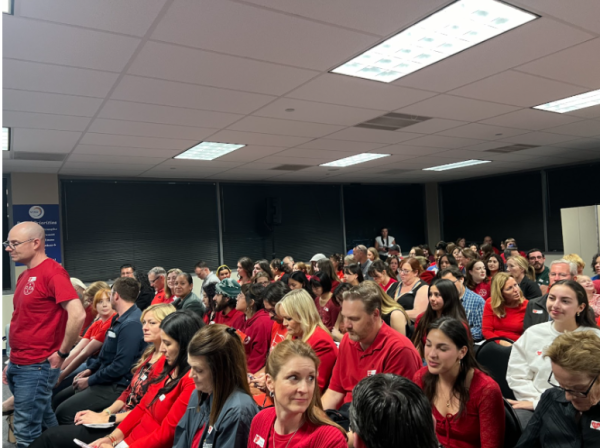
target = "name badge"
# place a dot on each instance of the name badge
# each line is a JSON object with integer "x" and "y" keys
{"x": 210, "y": 428}
{"x": 595, "y": 425}
{"x": 371, "y": 372}
{"x": 111, "y": 334}
{"x": 143, "y": 377}
{"x": 259, "y": 440}
{"x": 162, "y": 397}
{"x": 538, "y": 312}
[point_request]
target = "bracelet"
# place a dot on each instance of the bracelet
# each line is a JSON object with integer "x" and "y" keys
{"x": 107, "y": 412}
{"x": 113, "y": 441}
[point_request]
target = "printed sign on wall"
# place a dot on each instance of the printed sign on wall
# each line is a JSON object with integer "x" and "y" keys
{"x": 47, "y": 216}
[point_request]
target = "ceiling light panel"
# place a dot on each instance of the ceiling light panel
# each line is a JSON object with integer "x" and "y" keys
{"x": 452, "y": 166}
{"x": 208, "y": 151}
{"x": 5, "y": 139}
{"x": 353, "y": 160}
{"x": 572, "y": 103}
{"x": 451, "y": 30}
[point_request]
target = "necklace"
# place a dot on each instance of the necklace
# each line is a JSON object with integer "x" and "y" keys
{"x": 287, "y": 444}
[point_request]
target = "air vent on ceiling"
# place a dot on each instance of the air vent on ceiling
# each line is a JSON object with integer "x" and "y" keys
{"x": 290, "y": 167}
{"x": 511, "y": 148}
{"x": 392, "y": 121}
{"x": 394, "y": 172}
{"x": 43, "y": 156}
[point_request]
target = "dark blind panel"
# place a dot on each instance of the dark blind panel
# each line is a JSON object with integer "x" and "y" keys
{"x": 106, "y": 224}
{"x": 572, "y": 186}
{"x": 310, "y": 221}
{"x": 502, "y": 207}
{"x": 6, "y": 283}
{"x": 400, "y": 208}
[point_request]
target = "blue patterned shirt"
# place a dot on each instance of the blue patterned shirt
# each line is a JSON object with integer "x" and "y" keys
{"x": 473, "y": 304}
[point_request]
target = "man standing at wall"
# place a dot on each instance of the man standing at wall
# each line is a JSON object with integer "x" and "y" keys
{"x": 360, "y": 255}
{"x": 204, "y": 273}
{"x": 45, "y": 325}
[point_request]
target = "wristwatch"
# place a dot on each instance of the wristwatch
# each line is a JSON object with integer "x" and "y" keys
{"x": 112, "y": 418}
{"x": 62, "y": 355}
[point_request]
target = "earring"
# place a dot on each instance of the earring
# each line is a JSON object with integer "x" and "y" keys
{"x": 271, "y": 394}
{"x": 579, "y": 314}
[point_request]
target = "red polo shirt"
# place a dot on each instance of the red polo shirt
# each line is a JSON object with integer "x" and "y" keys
{"x": 234, "y": 319}
{"x": 159, "y": 298}
{"x": 329, "y": 312}
{"x": 390, "y": 352}
{"x": 257, "y": 340}
{"x": 278, "y": 334}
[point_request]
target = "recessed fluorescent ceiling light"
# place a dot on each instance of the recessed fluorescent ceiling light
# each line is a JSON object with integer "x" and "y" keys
{"x": 452, "y": 166}
{"x": 5, "y": 139}
{"x": 353, "y": 160}
{"x": 580, "y": 101}
{"x": 208, "y": 151}
{"x": 7, "y": 6}
{"x": 451, "y": 30}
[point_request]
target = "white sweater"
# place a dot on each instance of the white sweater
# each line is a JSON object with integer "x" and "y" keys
{"x": 528, "y": 370}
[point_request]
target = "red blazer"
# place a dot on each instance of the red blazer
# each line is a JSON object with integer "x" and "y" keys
{"x": 308, "y": 436}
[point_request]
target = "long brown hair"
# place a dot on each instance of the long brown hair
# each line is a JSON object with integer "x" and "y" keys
{"x": 224, "y": 353}
{"x": 281, "y": 354}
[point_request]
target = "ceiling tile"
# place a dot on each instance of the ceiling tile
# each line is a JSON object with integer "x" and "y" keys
{"x": 538, "y": 138}
{"x": 433, "y": 125}
{"x": 440, "y": 141}
{"x": 119, "y": 151}
{"x": 340, "y": 145}
{"x": 582, "y": 13}
{"x": 284, "y": 127}
{"x": 46, "y": 42}
{"x": 134, "y": 17}
{"x": 44, "y": 121}
{"x": 588, "y": 112}
{"x": 113, "y": 159}
{"x": 482, "y": 131}
{"x": 579, "y": 143}
{"x": 23, "y": 75}
{"x": 122, "y": 127}
{"x": 38, "y": 140}
{"x": 155, "y": 91}
{"x": 519, "y": 89}
{"x": 407, "y": 149}
{"x": 251, "y": 153}
{"x": 49, "y": 103}
{"x": 317, "y": 112}
{"x": 91, "y": 138}
{"x": 316, "y": 154}
{"x": 372, "y": 135}
{"x": 175, "y": 63}
{"x": 253, "y": 138}
{"x": 457, "y": 108}
{"x": 585, "y": 128}
{"x": 349, "y": 91}
{"x": 283, "y": 38}
{"x": 531, "y": 119}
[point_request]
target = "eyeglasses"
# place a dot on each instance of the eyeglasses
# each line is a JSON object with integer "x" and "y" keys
{"x": 405, "y": 272}
{"x": 14, "y": 245}
{"x": 573, "y": 393}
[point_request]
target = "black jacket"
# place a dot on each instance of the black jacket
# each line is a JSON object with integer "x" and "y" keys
{"x": 536, "y": 312}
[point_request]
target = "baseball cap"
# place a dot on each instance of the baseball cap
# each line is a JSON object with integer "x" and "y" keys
{"x": 318, "y": 257}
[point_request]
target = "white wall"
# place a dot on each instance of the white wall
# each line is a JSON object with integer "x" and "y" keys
{"x": 581, "y": 233}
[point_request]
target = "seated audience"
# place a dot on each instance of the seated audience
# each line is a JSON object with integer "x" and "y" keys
{"x": 208, "y": 296}
{"x": 300, "y": 266}
{"x": 325, "y": 265}
{"x": 528, "y": 370}
{"x": 542, "y": 272}
{"x": 108, "y": 375}
{"x": 370, "y": 346}
{"x": 297, "y": 419}
{"x": 494, "y": 265}
{"x": 337, "y": 260}
{"x": 467, "y": 404}
{"x": 272, "y": 295}
{"x": 394, "y": 263}
{"x": 146, "y": 295}
{"x": 223, "y": 272}
{"x": 395, "y": 403}
{"x": 461, "y": 242}
{"x": 415, "y": 251}
{"x": 472, "y": 303}
{"x": 392, "y": 312}
{"x": 257, "y": 326}
{"x": 426, "y": 275}
{"x": 590, "y": 289}
{"x": 219, "y": 414}
{"x": 458, "y": 255}
{"x": 443, "y": 301}
{"x": 245, "y": 266}
{"x": 277, "y": 269}
{"x": 225, "y": 300}
{"x": 427, "y": 253}
{"x": 477, "y": 279}
{"x": 360, "y": 255}
{"x": 504, "y": 311}
{"x": 339, "y": 329}
{"x": 353, "y": 274}
{"x": 411, "y": 292}
{"x": 172, "y": 274}
{"x": 568, "y": 413}
{"x": 262, "y": 278}
{"x": 186, "y": 299}
{"x": 486, "y": 251}
{"x": 469, "y": 255}
{"x": 372, "y": 254}
{"x": 86, "y": 302}
{"x": 524, "y": 274}
{"x": 326, "y": 305}
{"x": 384, "y": 276}
{"x": 574, "y": 258}
{"x": 303, "y": 322}
{"x": 156, "y": 277}
{"x": 313, "y": 263}
{"x": 298, "y": 280}
{"x": 488, "y": 240}
{"x": 445, "y": 261}
{"x": 262, "y": 266}
{"x": 596, "y": 267}
{"x": 349, "y": 259}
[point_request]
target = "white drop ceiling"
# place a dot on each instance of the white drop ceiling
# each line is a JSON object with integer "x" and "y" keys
{"x": 120, "y": 87}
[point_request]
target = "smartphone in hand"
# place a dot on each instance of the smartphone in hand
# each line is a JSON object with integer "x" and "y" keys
{"x": 81, "y": 444}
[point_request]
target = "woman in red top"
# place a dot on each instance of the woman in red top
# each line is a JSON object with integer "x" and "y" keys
{"x": 327, "y": 306}
{"x": 337, "y": 260}
{"x": 467, "y": 404}
{"x": 297, "y": 419}
{"x": 477, "y": 279}
{"x": 504, "y": 311}
{"x": 383, "y": 275}
{"x": 303, "y": 322}
{"x": 151, "y": 424}
{"x": 208, "y": 299}
{"x": 325, "y": 265}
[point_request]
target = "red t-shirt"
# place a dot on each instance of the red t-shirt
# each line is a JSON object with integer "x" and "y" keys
{"x": 390, "y": 352}
{"x": 390, "y": 283}
{"x": 38, "y": 323}
{"x": 257, "y": 341}
{"x": 323, "y": 345}
{"x": 278, "y": 334}
{"x": 329, "y": 312}
{"x": 197, "y": 437}
{"x": 89, "y": 318}
{"x": 234, "y": 319}
{"x": 97, "y": 330}
{"x": 160, "y": 298}
{"x": 509, "y": 326}
{"x": 484, "y": 289}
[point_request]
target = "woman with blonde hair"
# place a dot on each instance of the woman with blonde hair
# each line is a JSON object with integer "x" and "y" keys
{"x": 574, "y": 258}
{"x": 524, "y": 274}
{"x": 392, "y": 312}
{"x": 172, "y": 275}
{"x": 372, "y": 254}
{"x": 590, "y": 289}
{"x": 504, "y": 311}
{"x": 302, "y": 321}
{"x": 298, "y": 414}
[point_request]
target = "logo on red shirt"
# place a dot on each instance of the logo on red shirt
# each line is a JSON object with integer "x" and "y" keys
{"x": 595, "y": 425}
{"x": 30, "y": 286}
{"x": 259, "y": 440}
{"x": 371, "y": 372}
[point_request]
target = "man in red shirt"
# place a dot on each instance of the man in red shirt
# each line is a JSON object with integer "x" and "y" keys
{"x": 156, "y": 277}
{"x": 45, "y": 325}
{"x": 369, "y": 347}
{"x": 225, "y": 301}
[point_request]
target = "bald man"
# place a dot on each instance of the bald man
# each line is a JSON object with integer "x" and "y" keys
{"x": 45, "y": 325}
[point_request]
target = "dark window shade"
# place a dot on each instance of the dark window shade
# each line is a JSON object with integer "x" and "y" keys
{"x": 6, "y": 263}
{"x": 400, "y": 208}
{"x": 168, "y": 224}
{"x": 310, "y": 216}
{"x": 571, "y": 186}
{"x": 501, "y": 207}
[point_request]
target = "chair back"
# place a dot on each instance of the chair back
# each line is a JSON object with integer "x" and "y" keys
{"x": 494, "y": 358}
{"x": 512, "y": 427}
